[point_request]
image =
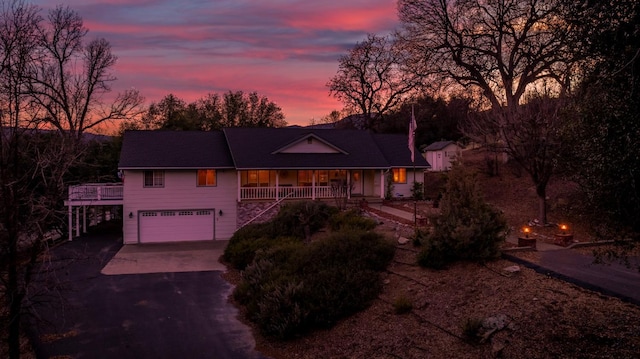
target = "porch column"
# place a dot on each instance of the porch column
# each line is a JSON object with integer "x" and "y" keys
{"x": 382, "y": 184}
{"x": 277, "y": 185}
{"x": 84, "y": 219}
{"x": 348, "y": 189}
{"x": 77, "y": 221}
{"x": 313, "y": 185}
{"x": 239, "y": 184}
{"x": 70, "y": 229}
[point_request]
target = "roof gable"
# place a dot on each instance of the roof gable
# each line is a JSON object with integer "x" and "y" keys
{"x": 309, "y": 143}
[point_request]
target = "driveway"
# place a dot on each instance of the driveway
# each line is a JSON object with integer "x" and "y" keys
{"x": 612, "y": 279}
{"x": 151, "y": 315}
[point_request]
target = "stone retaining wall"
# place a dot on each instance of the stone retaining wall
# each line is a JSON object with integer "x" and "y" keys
{"x": 248, "y": 210}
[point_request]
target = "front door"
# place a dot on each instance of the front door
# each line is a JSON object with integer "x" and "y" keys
{"x": 356, "y": 181}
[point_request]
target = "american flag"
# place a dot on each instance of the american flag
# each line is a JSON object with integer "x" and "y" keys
{"x": 412, "y": 135}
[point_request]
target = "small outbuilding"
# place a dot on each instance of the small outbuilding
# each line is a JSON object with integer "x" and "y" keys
{"x": 441, "y": 155}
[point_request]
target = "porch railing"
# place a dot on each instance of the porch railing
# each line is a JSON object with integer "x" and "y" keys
{"x": 96, "y": 192}
{"x": 291, "y": 192}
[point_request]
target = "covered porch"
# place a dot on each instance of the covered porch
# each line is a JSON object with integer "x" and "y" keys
{"x": 309, "y": 184}
{"x": 89, "y": 196}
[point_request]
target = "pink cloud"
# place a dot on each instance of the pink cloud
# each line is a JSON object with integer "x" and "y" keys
{"x": 286, "y": 50}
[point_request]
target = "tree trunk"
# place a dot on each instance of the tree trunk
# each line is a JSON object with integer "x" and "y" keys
{"x": 541, "y": 191}
{"x": 14, "y": 298}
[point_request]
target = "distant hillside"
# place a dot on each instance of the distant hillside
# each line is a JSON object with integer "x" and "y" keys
{"x": 88, "y": 137}
{"x": 352, "y": 122}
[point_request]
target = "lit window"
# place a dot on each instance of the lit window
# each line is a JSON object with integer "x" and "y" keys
{"x": 254, "y": 178}
{"x": 154, "y": 179}
{"x": 399, "y": 175}
{"x": 322, "y": 178}
{"x": 206, "y": 178}
{"x": 304, "y": 177}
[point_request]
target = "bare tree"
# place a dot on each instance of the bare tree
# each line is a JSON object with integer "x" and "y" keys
{"x": 531, "y": 135}
{"x": 501, "y": 48}
{"x": 70, "y": 80}
{"x": 372, "y": 79}
{"x": 46, "y": 103}
{"x": 502, "y": 51}
{"x": 33, "y": 164}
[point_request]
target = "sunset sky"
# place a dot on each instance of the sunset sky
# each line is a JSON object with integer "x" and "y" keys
{"x": 286, "y": 50}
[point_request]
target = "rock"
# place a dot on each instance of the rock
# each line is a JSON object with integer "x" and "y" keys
{"x": 497, "y": 322}
{"x": 512, "y": 269}
{"x": 403, "y": 240}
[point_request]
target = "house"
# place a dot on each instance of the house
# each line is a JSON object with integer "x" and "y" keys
{"x": 441, "y": 155}
{"x": 184, "y": 186}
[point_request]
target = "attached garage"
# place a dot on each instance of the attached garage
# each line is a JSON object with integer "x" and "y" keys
{"x": 176, "y": 225}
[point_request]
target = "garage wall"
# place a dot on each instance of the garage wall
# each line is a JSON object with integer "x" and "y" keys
{"x": 180, "y": 192}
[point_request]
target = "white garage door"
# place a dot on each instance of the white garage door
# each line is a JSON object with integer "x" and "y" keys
{"x": 174, "y": 226}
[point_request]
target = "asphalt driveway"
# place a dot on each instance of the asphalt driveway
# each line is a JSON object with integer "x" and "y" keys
{"x": 153, "y": 315}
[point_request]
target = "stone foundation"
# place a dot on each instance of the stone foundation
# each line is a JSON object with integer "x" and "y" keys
{"x": 248, "y": 210}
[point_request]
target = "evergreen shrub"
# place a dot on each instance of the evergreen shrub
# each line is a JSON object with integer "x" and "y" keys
{"x": 351, "y": 219}
{"x": 292, "y": 288}
{"x": 467, "y": 228}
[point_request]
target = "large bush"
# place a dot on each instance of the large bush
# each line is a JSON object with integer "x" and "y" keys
{"x": 292, "y": 288}
{"x": 467, "y": 227}
{"x": 302, "y": 219}
{"x": 351, "y": 219}
{"x": 294, "y": 222}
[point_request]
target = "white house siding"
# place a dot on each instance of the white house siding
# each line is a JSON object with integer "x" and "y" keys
{"x": 403, "y": 190}
{"x": 180, "y": 191}
{"x": 313, "y": 146}
{"x": 441, "y": 160}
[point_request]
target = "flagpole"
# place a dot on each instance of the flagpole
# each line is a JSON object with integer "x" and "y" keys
{"x": 412, "y": 129}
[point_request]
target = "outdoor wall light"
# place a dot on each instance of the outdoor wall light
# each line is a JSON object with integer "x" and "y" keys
{"x": 131, "y": 215}
{"x": 220, "y": 213}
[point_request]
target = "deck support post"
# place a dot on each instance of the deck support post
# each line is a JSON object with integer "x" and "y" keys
{"x": 84, "y": 219}
{"x": 70, "y": 223}
{"x": 77, "y": 221}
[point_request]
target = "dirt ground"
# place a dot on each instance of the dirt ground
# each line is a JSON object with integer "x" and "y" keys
{"x": 533, "y": 316}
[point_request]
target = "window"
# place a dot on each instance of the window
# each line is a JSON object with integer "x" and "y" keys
{"x": 260, "y": 178}
{"x": 206, "y": 178}
{"x": 399, "y": 175}
{"x": 153, "y": 179}
{"x": 305, "y": 177}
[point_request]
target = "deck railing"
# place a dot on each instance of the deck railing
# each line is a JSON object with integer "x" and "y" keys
{"x": 96, "y": 192}
{"x": 291, "y": 192}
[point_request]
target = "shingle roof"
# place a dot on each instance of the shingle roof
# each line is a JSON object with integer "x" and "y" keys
{"x": 174, "y": 149}
{"x": 257, "y": 148}
{"x": 395, "y": 148}
{"x": 254, "y": 148}
{"x": 436, "y": 146}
